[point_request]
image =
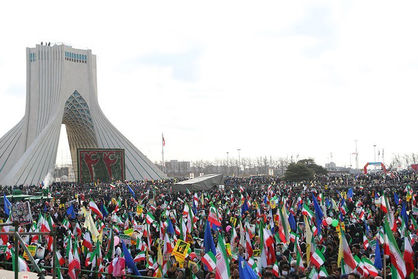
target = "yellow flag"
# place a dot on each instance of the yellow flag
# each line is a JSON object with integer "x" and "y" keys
{"x": 408, "y": 197}
{"x": 84, "y": 211}
{"x": 159, "y": 256}
{"x": 139, "y": 209}
{"x": 308, "y": 234}
{"x": 340, "y": 250}
{"x": 89, "y": 224}
{"x": 100, "y": 238}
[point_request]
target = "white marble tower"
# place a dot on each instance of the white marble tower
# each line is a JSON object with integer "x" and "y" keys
{"x": 61, "y": 88}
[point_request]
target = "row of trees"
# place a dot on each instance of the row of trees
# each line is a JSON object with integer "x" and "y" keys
{"x": 303, "y": 170}
{"x": 245, "y": 166}
{"x": 288, "y": 168}
{"x": 291, "y": 168}
{"x": 403, "y": 160}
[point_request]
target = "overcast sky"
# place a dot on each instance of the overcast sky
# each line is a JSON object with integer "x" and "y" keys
{"x": 272, "y": 78}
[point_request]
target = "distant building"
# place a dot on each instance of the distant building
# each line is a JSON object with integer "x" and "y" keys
{"x": 330, "y": 166}
{"x": 177, "y": 168}
{"x": 334, "y": 170}
{"x": 64, "y": 173}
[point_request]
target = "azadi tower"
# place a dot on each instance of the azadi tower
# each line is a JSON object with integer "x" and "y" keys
{"x": 61, "y": 88}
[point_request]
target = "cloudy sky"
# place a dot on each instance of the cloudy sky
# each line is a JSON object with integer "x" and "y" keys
{"x": 272, "y": 78}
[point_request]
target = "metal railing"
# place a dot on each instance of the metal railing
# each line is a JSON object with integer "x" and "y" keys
{"x": 86, "y": 271}
{"x": 17, "y": 239}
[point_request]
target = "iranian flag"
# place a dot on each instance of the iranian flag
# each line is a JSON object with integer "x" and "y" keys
{"x": 248, "y": 245}
{"x": 77, "y": 230}
{"x": 87, "y": 241}
{"x": 361, "y": 269}
{"x": 384, "y": 205}
{"x": 276, "y": 269}
{"x": 22, "y": 265}
{"x": 365, "y": 242}
{"x": 66, "y": 224}
{"x": 44, "y": 225}
{"x": 140, "y": 257}
{"x": 313, "y": 274}
{"x": 391, "y": 246}
{"x": 90, "y": 258}
{"x": 369, "y": 266}
{"x": 213, "y": 216}
{"x": 269, "y": 246}
{"x": 268, "y": 238}
{"x": 234, "y": 238}
{"x": 60, "y": 259}
{"x": 299, "y": 261}
{"x": 209, "y": 260}
{"x": 168, "y": 245}
{"x": 408, "y": 256}
{"x": 59, "y": 274}
{"x": 292, "y": 237}
{"x": 195, "y": 200}
{"x": 222, "y": 261}
{"x": 323, "y": 272}
{"x": 150, "y": 218}
{"x": 72, "y": 266}
{"x": 307, "y": 212}
{"x": 414, "y": 226}
{"x": 317, "y": 258}
{"x": 343, "y": 207}
{"x": 73, "y": 260}
{"x": 186, "y": 210}
{"x": 177, "y": 230}
{"x": 93, "y": 207}
{"x": 349, "y": 260}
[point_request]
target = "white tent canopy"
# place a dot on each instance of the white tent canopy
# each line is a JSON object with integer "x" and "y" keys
{"x": 204, "y": 182}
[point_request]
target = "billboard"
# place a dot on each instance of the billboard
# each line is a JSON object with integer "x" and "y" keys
{"x": 100, "y": 164}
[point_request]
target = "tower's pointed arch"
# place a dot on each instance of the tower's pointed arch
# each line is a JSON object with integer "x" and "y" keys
{"x": 62, "y": 89}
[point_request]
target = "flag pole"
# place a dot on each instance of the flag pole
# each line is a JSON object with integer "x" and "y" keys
{"x": 384, "y": 266}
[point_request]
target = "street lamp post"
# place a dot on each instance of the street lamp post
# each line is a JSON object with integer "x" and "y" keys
{"x": 374, "y": 151}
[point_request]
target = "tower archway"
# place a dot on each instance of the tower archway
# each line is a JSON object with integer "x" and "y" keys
{"x": 79, "y": 126}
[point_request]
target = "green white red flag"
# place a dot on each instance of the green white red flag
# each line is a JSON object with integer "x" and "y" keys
{"x": 222, "y": 261}
{"x": 93, "y": 207}
{"x": 391, "y": 247}
{"x": 349, "y": 261}
{"x": 317, "y": 258}
{"x": 408, "y": 256}
{"x": 150, "y": 218}
{"x": 209, "y": 260}
{"x": 369, "y": 266}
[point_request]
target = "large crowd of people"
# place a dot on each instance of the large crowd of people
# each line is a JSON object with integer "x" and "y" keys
{"x": 257, "y": 227}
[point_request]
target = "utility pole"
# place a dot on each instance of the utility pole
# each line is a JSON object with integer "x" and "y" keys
{"x": 227, "y": 163}
{"x": 383, "y": 155}
{"x": 374, "y": 151}
{"x": 355, "y": 153}
{"x": 239, "y": 160}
